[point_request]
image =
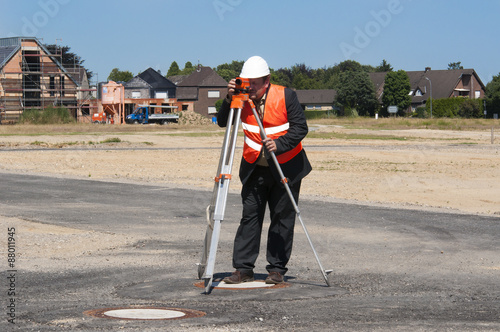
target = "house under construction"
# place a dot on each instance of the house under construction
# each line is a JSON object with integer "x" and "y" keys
{"x": 33, "y": 78}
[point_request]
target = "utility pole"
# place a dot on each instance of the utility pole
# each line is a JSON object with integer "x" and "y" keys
{"x": 430, "y": 84}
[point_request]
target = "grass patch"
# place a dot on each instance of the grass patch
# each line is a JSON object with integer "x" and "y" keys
{"x": 410, "y": 123}
{"x": 66, "y": 144}
{"x": 111, "y": 140}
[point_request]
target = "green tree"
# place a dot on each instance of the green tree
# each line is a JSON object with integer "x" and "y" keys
{"x": 303, "y": 77}
{"x": 383, "y": 67}
{"x": 173, "y": 70}
{"x": 331, "y": 78}
{"x": 493, "y": 95}
{"x": 282, "y": 76}
{"x": 396, "y": 91}
{"x": 349, "y": 65}
{"x": 120, "y": 76}
{"x": 228, "y": 71}
{"x": 455, "y": 65}
{"x": 356, "y": 93}
{"x": 188, "y": 68}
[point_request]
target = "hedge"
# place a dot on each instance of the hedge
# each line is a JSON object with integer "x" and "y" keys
{"x": 455, "y": 107}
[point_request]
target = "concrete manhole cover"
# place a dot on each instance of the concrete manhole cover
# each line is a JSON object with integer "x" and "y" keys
{"x": 219, "y": 284}
{"x": 145, "y": 313}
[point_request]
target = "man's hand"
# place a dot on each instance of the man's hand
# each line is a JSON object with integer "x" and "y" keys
{"x": 230, "y": 88}
{"x": 269, "y": 144}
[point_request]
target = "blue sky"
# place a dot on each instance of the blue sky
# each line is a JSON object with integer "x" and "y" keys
{"x": 134, "y": 35}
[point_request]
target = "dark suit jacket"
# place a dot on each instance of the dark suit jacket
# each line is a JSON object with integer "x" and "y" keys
{"x": 296, "y": 168}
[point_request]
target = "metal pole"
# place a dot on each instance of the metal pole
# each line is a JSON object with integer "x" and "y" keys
{"x": 430, "y": 84}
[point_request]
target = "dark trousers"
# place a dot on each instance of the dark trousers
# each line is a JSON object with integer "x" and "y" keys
{"x": 260, "y": 190}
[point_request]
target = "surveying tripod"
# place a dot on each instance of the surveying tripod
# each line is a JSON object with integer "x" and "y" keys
{"x": 217, "y": 207}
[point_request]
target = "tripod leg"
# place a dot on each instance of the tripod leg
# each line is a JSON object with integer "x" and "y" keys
{"x": 210, "y": 209}
{"x": 215, "y": 211}
{"x": 209, "y": 271}
{"x": 206, "y": 246}
{"x": 292, "y": 199}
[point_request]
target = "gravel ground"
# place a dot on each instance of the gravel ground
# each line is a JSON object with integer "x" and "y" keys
{"x": 454, "y": 170}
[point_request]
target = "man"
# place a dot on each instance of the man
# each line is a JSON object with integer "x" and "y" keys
{"x": 285, "y": 125}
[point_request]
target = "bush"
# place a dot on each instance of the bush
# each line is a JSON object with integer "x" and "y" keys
{"x": 421, "y": 113}
{"x": 470, "y": 108}
{"x": 350, "y": 112}
{"x": 50, "y": 115}
{"x": 218, "y": 104}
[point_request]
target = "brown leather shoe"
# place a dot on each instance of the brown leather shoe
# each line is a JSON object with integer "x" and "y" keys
{"x": 238, "y": 277}
{"x": 274, "y": 278}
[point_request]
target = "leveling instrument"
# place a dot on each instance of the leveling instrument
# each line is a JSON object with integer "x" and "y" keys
{"x": 216, "y": 209}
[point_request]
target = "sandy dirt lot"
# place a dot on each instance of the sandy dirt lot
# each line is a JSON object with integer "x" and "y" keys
{"x": 431, "y": 169}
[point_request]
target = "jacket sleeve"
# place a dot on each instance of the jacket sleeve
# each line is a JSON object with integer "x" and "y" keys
{"x": 298, "y": 125}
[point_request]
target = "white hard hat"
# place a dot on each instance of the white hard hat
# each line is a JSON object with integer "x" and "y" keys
{"x": 254, "y": 67}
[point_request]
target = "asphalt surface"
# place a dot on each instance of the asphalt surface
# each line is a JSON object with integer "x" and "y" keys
{"x": 393, "y": 269}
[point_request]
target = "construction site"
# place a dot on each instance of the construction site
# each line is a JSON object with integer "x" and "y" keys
{"x": 33, "y": 78}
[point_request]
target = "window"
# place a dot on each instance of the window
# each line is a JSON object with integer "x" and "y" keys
{"x": 85, "y": 110}
{"x": 163, "y": 95}
{"x": 477, "y": 94}
{"x": 136, "y": 94}
{"x": 212, "y": 110}
{"x": 418, "y": 92}
{"x": 213, "y": 94}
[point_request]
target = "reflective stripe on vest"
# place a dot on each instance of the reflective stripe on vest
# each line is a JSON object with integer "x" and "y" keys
{"x": 275, "y": 124}
{"x": 269, "y": 131}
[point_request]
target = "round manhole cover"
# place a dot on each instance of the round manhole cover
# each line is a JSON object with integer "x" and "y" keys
{"x": 144, "y": 313}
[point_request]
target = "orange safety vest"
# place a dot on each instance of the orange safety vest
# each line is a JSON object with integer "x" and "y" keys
{"x": 275, "y": 123}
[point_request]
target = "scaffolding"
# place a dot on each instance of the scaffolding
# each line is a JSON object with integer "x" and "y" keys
{"x": 35, "y": 79}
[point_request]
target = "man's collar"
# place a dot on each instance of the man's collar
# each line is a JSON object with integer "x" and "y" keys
{"x": 262, "y": 100}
